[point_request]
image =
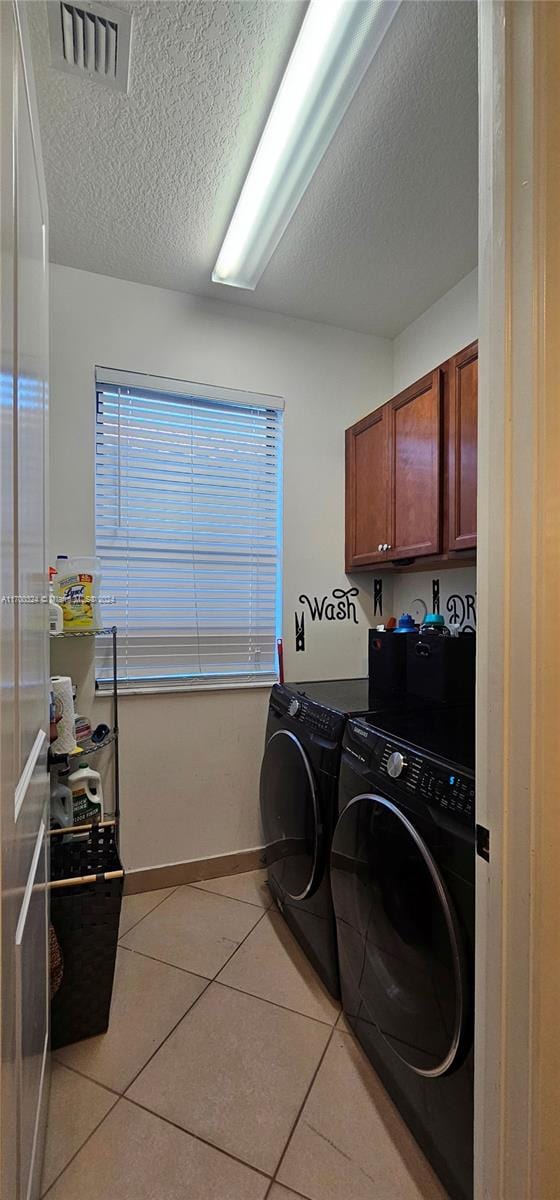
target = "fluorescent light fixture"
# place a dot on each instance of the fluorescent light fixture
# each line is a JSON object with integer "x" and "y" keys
{"x": 336, "y": 44}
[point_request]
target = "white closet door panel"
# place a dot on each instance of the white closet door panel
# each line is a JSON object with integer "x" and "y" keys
{"x": 30, "y": 797}
{"x": 32, "y": 1024}
{"x": 23, "y": 627}
{"x": 31, "y": 406}
{"x": 8, "y": 724}
{"x": 8, "y": 735}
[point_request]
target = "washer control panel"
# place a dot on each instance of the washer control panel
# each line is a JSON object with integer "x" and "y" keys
{"x": 449, "y": 791}
{"x": 397, "y": 765}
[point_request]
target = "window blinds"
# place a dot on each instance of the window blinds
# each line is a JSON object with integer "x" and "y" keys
{"x": 188, "y": 530}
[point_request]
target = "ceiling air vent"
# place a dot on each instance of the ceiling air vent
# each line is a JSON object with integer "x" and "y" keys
{"x": 92, "y": 40}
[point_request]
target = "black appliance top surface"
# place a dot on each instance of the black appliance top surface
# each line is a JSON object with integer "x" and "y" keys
{"x": 354, "y": 697}
{"x": 447, "y": 733}
{"x": 343, "y": 695}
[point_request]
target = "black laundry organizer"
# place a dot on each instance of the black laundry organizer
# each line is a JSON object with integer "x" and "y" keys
{"x": 86, "y": 886}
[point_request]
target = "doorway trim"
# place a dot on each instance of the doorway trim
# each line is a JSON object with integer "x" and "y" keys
{"x": 517, "y": 1047}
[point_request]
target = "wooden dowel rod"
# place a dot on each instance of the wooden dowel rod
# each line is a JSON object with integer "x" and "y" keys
{"x": 103, "y": 877}
{"x": 82, "y": 828}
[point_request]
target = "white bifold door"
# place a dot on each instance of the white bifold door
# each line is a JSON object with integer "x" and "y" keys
{"x": 23, "y": 620}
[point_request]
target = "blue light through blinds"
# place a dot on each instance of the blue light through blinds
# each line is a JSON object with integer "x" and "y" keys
{"x": 188, "y": 530}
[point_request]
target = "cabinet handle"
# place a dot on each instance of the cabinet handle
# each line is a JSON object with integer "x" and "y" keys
{"x": 379, "y": 548}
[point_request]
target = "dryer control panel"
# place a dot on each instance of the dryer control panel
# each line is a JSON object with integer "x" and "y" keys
{"x": 313, "y": 717}
{"x": 319, "y": 719}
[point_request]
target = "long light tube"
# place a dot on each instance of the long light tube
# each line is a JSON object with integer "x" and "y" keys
{"x": 336, "y": 44}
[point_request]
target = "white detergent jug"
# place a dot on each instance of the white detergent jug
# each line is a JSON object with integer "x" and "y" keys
{"x": 62, "y": 813}
{"x": 87, "y": 795}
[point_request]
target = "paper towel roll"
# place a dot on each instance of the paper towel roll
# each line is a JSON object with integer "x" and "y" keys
{"x": 65, "y": 741}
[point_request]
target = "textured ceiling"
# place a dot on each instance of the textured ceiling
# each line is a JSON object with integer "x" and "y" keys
{"x": 142, "y": 186}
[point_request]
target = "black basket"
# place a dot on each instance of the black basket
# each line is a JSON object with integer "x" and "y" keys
{"x": 86, "y": 920}
{"x": 442, "y": 668}
{"x": 386, "y": 661}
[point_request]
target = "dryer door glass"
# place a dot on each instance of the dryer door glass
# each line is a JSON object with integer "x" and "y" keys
{"x": 290, "y": 816}
{"x": 400, "y": 946}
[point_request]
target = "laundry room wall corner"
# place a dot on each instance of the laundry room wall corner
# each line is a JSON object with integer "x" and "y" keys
{"x": 203, "y": 781}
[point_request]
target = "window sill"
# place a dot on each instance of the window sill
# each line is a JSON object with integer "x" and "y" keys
{"x": 255, "y": 685}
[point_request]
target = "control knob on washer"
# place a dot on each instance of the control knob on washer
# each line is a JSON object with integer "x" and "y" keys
{"x": 396, "y": 765}
{"x": 294, "y": 707}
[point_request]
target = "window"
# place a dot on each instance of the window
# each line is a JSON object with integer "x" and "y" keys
{"x": 188, "y": 529}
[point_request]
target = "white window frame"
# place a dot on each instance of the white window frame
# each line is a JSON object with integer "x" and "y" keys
{"x": 213, "y": 393}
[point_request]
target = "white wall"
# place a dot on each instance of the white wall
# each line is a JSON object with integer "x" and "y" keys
{"x": 190, "y": 762}
{"x": 457, "y": 591}
{"x": 449, "y": 325}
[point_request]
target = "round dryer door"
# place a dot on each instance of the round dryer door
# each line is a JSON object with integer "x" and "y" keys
{"x": 400, "y": 944}
{"x": 290, "y": 816}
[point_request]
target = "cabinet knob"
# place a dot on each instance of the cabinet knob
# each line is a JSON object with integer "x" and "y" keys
{"x": 385, "y": 546}
{"x": 379, "y": 548}
{"x": 388, "y": 547}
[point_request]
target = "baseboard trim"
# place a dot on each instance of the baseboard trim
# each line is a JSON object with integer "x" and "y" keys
{"x": 148, "y": 879}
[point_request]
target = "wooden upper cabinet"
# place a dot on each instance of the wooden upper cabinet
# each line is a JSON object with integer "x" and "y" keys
{"x": 411, "y": 471}
{"x": 462, "y": 449}
{"x": 367, "y": 490}
{"x": 415, "y": 440}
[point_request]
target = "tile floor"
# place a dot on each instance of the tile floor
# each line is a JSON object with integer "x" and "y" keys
{"x": 227, "y": 1072}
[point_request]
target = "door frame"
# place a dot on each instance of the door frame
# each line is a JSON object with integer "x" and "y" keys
{"x": 517, "y": 1081}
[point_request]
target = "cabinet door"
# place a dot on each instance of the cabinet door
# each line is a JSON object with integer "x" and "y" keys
{"x": 462, "y": 450}
{"x": 415, "y": 437}
{"x": 367, "y": 490}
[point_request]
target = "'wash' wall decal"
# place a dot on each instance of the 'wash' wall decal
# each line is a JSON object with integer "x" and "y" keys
{"x": 324, "y": 609}
{"x": 338, "y": 606}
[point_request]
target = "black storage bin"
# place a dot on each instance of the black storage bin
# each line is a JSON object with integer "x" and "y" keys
{"x": 441, "y": 668}
{"x": 86, "y": 918}
{"x": 387, "y": 660}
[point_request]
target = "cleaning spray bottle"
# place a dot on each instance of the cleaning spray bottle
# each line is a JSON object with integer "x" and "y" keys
{"x": 56, "y": 618}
